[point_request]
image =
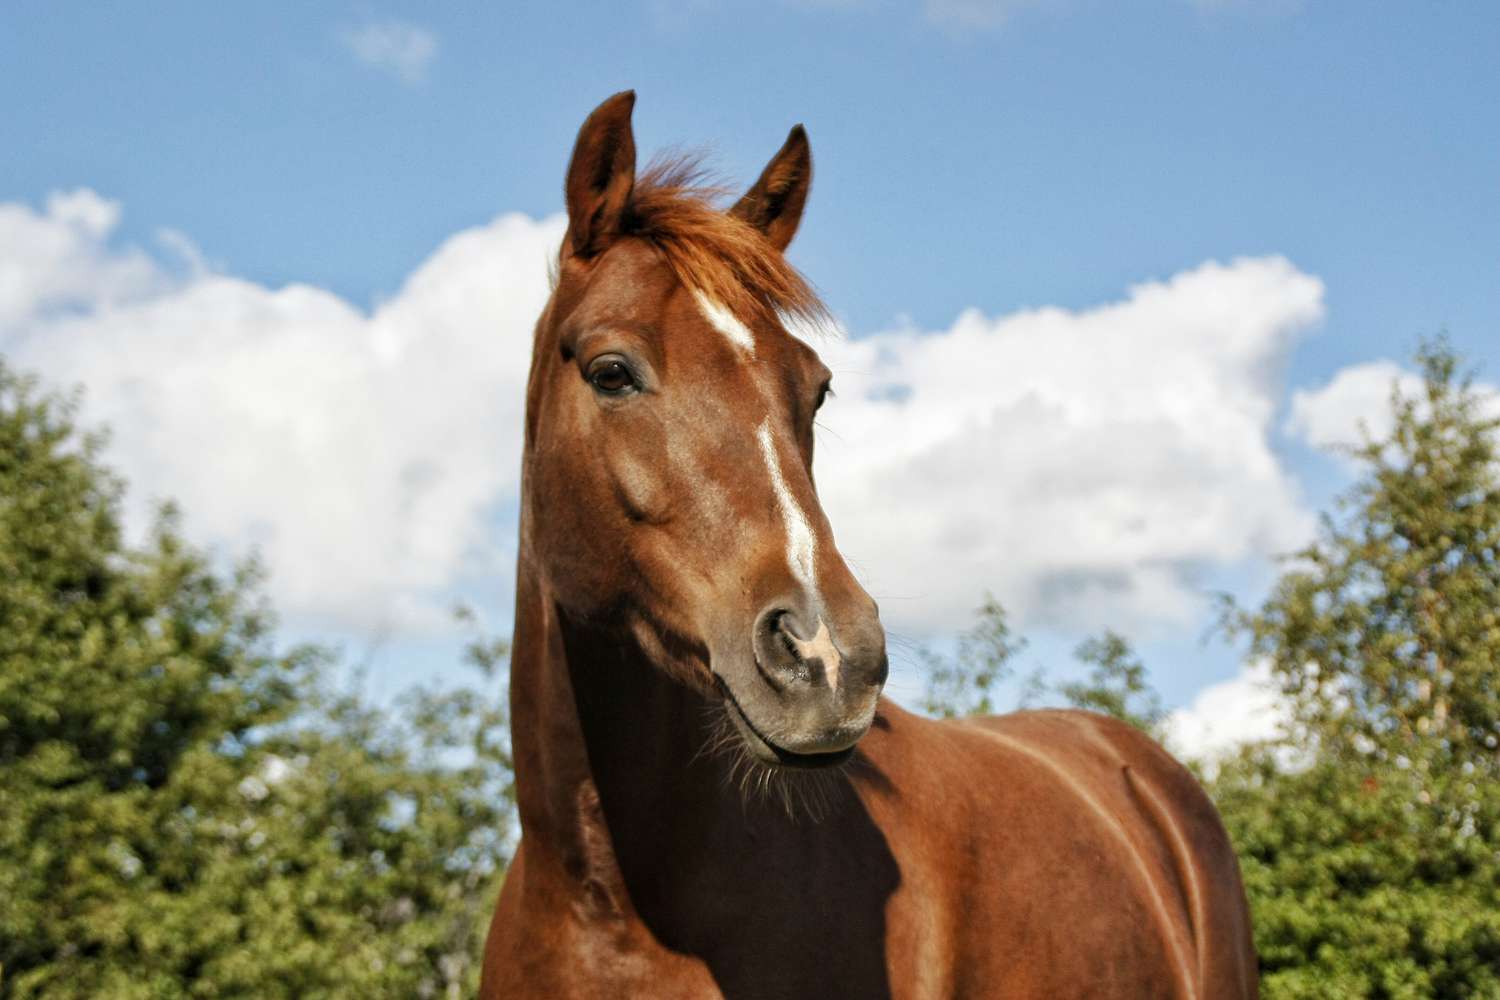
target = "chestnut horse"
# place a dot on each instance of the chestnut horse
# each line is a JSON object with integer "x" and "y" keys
{"x": 714, "y": 799}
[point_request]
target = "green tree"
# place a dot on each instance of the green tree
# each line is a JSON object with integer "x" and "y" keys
{"x": 187, "y": 809}
{"x": 1116, "y": 684}
{"x": 968, "y": 682}
{"x": 965, "y": 684}
{"x": 1373, "y": 862}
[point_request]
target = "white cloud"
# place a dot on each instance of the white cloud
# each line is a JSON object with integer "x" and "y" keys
{"x": 1357, "y": 397}
{"x": 1246, "y": 708}
{"x": 57, "y": 259}
{"x": 1357, "y": 401}
{"x": 404, "y": 50}
{"x": 364, "y": 454}
{"x": 1087, "y": 467}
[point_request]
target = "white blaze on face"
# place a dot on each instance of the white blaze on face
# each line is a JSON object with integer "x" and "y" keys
{"x": 726, "y": 322}
{"x": 801, "y": 555}
{"x": 801, "y": 546}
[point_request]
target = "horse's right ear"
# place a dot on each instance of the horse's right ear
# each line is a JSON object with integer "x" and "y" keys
{"x": 601, "y": 176}
{"x": 774, "y": 205}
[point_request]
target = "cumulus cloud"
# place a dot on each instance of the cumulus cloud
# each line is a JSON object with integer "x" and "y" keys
{"x": 1087, "y": 467}
{"x": 395, "y": 47}
{"x": 371, "y": 457}
{"x": 57, "y": 259}
{"x": 1245, "y": 709}
{"x": 1357, "y": 402}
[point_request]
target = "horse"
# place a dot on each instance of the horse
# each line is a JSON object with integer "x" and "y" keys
{"x": 715, "y": 799}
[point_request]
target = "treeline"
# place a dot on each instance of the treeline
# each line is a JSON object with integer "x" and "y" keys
{"x": 189, "y": 809}
{"x": 1369, "y": 831}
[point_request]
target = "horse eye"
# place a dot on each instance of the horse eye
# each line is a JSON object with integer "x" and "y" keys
{"x": 824, "y": 391}
{"x": 611, "y": 376}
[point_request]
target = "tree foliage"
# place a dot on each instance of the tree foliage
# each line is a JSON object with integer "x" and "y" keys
{"x": 1374, "y": 862}
{"x": 1369, "y": 833}
{"x": 1116, "y": 685}
{"x": 970, "y": 681}
{"x": 189, "y": 810}
{"x": 966, "y": 684}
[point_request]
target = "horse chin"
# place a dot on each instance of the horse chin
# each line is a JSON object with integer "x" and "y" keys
{"x": 766, "y": 751}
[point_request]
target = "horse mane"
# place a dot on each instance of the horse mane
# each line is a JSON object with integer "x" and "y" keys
{"x": 713, "y": 252}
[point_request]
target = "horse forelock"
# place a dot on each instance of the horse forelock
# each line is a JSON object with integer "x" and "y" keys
{"x": 717, "y": 255}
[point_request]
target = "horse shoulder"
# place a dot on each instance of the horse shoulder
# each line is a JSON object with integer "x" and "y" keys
{"x": 1108, "y": 789}
{"x": 547, "y": 941}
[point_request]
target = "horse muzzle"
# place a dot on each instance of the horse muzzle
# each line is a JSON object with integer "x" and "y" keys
{"x": 808, "y": 692}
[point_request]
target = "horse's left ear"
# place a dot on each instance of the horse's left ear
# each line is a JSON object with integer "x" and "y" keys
{"x": 601, "y": 176}
{"x": 774, "y": 205}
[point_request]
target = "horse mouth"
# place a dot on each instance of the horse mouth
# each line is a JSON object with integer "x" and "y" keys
{"x": 766, "y": 750}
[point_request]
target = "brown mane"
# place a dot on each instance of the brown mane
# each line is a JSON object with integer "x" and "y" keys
{"x": 673, "y": 208}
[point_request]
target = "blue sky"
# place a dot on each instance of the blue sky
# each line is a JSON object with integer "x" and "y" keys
{"x": 990, "y": 155}
{"x": 1053, "y": 158}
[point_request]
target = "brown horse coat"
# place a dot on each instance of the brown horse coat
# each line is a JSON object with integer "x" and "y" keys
{"x": 713, "y": 802}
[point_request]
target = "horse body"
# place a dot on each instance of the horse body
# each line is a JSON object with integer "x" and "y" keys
{"x": 1039, "y": 854}
{"x": 693, "y": 667}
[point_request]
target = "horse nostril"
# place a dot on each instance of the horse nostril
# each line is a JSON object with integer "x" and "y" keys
{"x": 785, "y": 622}
{"x": 788, "y": 642}
{"x": 778, "y": 647}
{"x": 797, "y": 653}
{"x": 774, "y": 654}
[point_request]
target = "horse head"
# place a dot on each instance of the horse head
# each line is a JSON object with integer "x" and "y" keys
{"x": 669, "y": 491}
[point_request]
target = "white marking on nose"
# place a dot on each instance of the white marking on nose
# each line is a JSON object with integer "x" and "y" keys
{"x": 726, "y": 322}
{"x": 821, "y": 648}
{"x": 801, "y": 553}
{"x": 801, "y": 545}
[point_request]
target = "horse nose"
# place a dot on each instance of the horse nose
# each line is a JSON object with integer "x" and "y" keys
{"x": 797, "y": 650}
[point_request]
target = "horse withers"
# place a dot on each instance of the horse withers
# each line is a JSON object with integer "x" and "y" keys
{"x": 714, "y": 798}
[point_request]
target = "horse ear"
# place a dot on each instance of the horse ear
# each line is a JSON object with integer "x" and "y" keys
{"x": 601, "y": 176}
{"x": 774, "y": 205}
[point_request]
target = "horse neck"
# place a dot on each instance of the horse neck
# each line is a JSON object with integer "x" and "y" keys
{"x": 609, "y": 751}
